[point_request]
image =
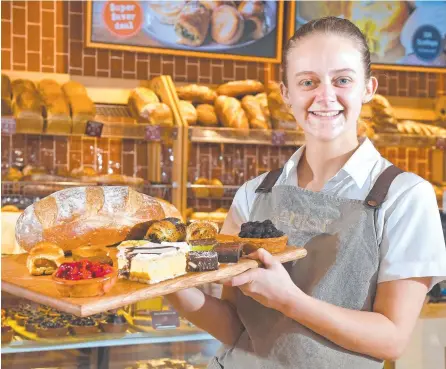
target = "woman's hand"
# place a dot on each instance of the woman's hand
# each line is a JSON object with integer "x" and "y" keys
{"x": 271, "y": 286}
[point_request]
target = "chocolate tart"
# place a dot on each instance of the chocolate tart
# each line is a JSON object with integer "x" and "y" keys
{"x": 51, "y": 329}
{"x": 32, "y": 323}
{"x": 83, "y": 326}
{"x": 7, "y": 334}
{"x": 114, "y": 323}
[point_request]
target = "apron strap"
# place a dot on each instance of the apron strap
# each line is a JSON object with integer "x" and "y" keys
{"x": 269, "y": 181}
{"x": 377, "y": 195}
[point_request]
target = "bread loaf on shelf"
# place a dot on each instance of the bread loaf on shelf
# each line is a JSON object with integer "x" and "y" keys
{"x": 256, "y": 117}
{"x": 188, "y": 112}
{"x": 241, "y": 88}
{"x": 81, "y": 106}
{"x": 281, "y": 115}
{"x": 74, "y": 88}
{"x": 206, "y": 115}
{"x": 196, "y": 94}
{"x": 86, "y": 216}
{"x": 156, "y": 114}
{"x": 6, "y": 87}
{"x": 383, "y": 115}
{"x": 20, "y": 85}
{"x": 55, "y": 107}
{"x": 230, "y": 113}
{"x": 139, "y": 98}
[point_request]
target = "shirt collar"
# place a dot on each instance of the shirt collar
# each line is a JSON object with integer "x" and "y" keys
{"x": 358, "y": 167}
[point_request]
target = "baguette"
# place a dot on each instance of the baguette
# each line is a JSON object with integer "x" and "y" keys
{"x": 196, "y": 94}
{"x": 254, "y": 112}
{"x": 241, "y": 88}
{"x": 157, "y": 114}
{"x": 86, "y": 216}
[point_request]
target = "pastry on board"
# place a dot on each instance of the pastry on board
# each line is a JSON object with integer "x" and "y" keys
{"x": 44, "y": 259}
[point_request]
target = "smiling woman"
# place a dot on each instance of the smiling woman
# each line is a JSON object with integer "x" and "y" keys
{"x": 372, "y": 232}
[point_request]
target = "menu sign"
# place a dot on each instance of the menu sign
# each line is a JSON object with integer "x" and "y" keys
{"x": 407, "y": 33}
{"x": 247, "y": 30}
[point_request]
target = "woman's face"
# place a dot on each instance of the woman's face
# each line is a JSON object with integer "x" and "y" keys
{"x": 326, "y": 86}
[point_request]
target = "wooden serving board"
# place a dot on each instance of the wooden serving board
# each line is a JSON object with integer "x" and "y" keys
{"x": 17, "y": 281}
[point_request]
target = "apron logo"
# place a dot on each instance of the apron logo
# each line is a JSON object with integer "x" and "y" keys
{"x": 299, "y": 222}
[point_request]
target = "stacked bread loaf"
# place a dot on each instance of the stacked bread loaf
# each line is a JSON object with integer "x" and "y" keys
{"x": 55, "y": 107}
{"x": 146, "y": 107}
{"x": 81, "y": 106}
{"x": 27, "y": 106}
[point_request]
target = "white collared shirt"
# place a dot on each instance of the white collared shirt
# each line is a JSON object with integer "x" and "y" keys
{"x": 408, "y": 224}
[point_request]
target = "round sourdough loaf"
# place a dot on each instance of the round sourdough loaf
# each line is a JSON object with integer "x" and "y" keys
{"x": 86, "y": 216}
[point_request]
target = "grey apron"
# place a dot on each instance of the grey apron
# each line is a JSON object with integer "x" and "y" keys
{"x": 340, "y": 268}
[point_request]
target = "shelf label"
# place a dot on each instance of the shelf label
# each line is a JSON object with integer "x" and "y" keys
{"x": 167, "y": 319}
{"x": 278, "y": 138}
{"x": 153, "y": 133}
{"x": 8, "y": 125}
{"x": 94, "y": 129}
{"x": 441, "y": 143}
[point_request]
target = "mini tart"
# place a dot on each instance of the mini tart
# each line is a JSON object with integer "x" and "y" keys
{"x": 21, "y": 318}
{"x": 83, "y": 326}
{"x": 114, "y": 323}
{"x": 7, "y": 334}
{"x": 51, "y": 329}
{"x": 32, "y": 324}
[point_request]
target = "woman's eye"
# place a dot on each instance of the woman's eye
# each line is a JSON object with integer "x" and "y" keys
{"x": 343, "y": 81}
{"x": 307, "y": 83}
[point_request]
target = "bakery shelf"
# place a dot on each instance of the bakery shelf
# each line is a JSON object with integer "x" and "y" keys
{"x": 101, "y": 340}
{"x": 391, "y": 139}
{"x": 228, "y": 192}
{"x": 249, "y": 137}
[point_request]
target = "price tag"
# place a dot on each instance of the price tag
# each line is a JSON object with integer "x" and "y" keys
{"x": 278, "y": 138}
{"x": 441, "y": 143}
{"x": 167, "y": 319}
{"x": 153, "y": 133}
{"x": 94, "y": 129}
{"x": 8, "y": 125}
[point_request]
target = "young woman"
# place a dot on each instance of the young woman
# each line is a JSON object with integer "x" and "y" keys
{"x": 373, "y": 233}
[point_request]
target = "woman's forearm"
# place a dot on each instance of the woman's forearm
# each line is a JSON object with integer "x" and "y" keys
{"x": 364, "y": 332}
{"x": 217, "y": 317}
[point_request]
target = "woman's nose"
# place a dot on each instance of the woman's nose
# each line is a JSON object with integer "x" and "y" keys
{"x": 325, "y": 92}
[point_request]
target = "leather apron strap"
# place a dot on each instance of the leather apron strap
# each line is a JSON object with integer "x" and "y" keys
{"x": 379, "y": 191}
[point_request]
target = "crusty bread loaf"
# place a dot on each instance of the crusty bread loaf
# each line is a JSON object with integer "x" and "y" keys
{"x": 240, "y": 88}
{"x": 83, "y": 216}
{"x": 230, "y": 113}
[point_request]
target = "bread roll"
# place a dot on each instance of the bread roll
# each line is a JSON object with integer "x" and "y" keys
{"x": 206, "y": 115}
{"x": 262, "y": 98}
{"x": 86, "y": 216}
{"x": 20, "y": 85}
{"x": 241, "y": 88}
{"x": 192, "y": 24}
{"x": 230, "y": 113}
{"x": 139, "y": 98}
{"x": 227, "y": 25}
{"x": 157, "y": 114}
{"x": 188, "y": 112}
{"x": 196, "y": 94}
{"x": 254, "y": 112}
{"x": 201, "y": 192}
{"x": 44, "y": 258}
{"x": 216, "y": 192}
{"x": 201, "y": 230}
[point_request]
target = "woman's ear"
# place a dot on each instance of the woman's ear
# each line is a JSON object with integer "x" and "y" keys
{"x": 370, "y": 89}
{"x": 285, "y": 93}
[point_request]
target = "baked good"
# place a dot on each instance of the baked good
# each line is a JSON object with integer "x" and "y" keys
{"x": 6, "y": 88}
{"x": 254, "y": 14}
{"x": 201, "y": 192}
{"x": 213, "y": 4}
{"x": 151, "y": 264}
{"x": 166, "y": 231}
{"x": 206, "y": 244}
{"x": 97, "y": 254}
{"x": 230, "y": 113}
{"x": 32, "y": 323}
{"x": 27, "y": 103}
{"x": 10, "y": 208}
{"x": 156, "y": 114}
{"x": 85, "y": 216}
{"x": 365, "y": 128}
{"x": 57, "y": 114}
{"x": 255, "y": 235}
{"x": 7, "y": 333}
{"x": 196, "y": 94}
{"x": 240, "y": 88}
{"x": 139, "y": 98}
{"x": 229, "y": 252}
{"x": 83, "y": 172}
{"x": 192, "y": 24}
{"x": 254, "y": 112}
{"x": 217, "y": 217}
{"x": 199, "y": 215}
{"x": 227, "y": 25}
{"x": 201, "y": 230}
{"x": 82, "y": 105}
{"x": 13, "y": 174}
{"x": 206, "y": 115}
{"x": 44, "y": 258}
{"x": 21, "y": 85}
{"x": 73, "y": 89}
{"x": 170, "y": 211}
{"x": 166, "y": 11}
{"x": 7, "y": 107}
{"x": 262, "y": 98}
{"x": 216, "y": 192}
{"x": 52, "y": 328}
{"x": 83, "y": 326}
{"x": 202, "y": 261}
{"x": 188, "y": 112}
